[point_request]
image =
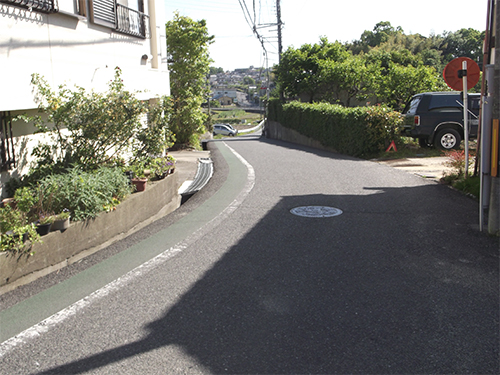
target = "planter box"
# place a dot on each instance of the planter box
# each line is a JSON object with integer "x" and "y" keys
{"x": 58, "y": 248}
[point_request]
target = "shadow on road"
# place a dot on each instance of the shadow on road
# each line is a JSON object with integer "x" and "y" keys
{"x": 396, "y": 286}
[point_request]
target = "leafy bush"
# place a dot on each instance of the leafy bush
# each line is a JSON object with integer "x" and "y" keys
{"x": 358, "y": 131}
{"x": 84, "y": 194}
{"x": 155, "y": 138}
{"x": 16, "y": 234}
{"x": 90, "y": 129}
{"x": 87, "y": 128}
{"x": 456, "y": 161}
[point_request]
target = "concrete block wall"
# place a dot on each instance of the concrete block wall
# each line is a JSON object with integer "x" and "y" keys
{"x": 81, "y": 239}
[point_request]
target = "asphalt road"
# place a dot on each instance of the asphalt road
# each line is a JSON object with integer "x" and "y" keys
{"x": 400, "y": 282}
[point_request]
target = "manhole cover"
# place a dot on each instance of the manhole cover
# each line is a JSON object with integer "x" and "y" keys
{"x": 316, "y": 211}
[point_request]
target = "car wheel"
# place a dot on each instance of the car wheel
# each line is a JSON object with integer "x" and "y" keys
{"x": 424, "y": 142}
{"x": 447, "y": 139}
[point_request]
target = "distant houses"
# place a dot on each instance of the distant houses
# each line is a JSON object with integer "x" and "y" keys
{"x": 232, "y": 87}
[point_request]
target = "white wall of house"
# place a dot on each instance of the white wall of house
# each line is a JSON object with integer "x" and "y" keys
{"x": 68, "y": 48}
{"x": 224, "y": 92}
{"x": 71, "y": 47}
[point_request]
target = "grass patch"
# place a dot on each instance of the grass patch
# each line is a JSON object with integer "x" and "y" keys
{"x": 235, "y": 117}
{"x": 469, "y": 186}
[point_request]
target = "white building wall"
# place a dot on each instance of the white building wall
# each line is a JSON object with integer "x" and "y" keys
{"x": 72, "y": 50}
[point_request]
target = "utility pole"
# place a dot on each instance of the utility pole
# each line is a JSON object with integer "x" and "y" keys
{"x": 280, "y": 45}
{"x": 494, "y": 212}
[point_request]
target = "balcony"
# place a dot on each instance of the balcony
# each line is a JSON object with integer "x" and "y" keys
{"x": 132, "y": 22}
{"x": 44, "y": 6}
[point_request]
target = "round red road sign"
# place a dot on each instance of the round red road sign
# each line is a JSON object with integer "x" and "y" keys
{"x": 451, "y": 73}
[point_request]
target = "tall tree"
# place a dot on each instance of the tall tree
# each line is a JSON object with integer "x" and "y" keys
{"x": 301, "y": 71}
{"x": 463, "y": 43}
{"x": 189, "y": 62}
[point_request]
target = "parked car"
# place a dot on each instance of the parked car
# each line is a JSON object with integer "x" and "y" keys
{"x": 436, "y": 118}
{"x": 224, "y": 129}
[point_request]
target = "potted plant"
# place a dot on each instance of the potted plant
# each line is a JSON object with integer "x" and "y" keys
{"x": 44, "y": 223}
{"x": 162, "y": 166}
{"x": 61, "y": 221}
{"x": 139, "y": 179}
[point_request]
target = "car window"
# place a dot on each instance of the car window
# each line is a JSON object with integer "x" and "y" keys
{"x": 411, "y": 107}
{"x": 475, "y": 103}
{"x": 444, "y": 101}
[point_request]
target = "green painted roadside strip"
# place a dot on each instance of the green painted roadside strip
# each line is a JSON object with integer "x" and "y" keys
{"x": 35, "y": 309}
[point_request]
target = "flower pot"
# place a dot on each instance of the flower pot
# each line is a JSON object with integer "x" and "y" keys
{"x": 43, "y": 229}
{"x": 139, "y": 183}
{"x": 61, "y": 225}
{"x": 161, "y": 176}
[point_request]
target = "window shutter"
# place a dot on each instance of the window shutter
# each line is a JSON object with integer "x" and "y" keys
{"x": 103, "y": 12}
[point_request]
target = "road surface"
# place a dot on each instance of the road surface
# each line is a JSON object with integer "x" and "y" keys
{"x": 398, "y": 281}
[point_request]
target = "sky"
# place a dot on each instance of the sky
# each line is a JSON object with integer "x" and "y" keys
{"x": 305, "y": 21}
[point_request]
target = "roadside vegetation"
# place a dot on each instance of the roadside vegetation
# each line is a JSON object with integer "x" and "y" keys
{"x": 91, "y": 141}
{"x": 467, "y": 183}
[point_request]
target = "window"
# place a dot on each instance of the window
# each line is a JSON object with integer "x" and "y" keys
{"x": 445, "y": 101}
{"x": 7, "y": 157}
{"x": 475, "y": 104}
{"x": 411, "y": 108}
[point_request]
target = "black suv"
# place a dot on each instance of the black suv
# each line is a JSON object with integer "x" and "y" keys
{"x": 436, "y": 118}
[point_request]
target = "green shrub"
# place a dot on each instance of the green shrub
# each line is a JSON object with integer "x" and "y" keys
{"x": 84, "y": 194}
{"x": 16, "y": 234}
{"x": 90, "y": 129}
{"x": 358, "y": 131}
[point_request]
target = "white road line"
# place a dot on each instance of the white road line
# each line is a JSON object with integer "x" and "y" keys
{"x": 59, "y": 317}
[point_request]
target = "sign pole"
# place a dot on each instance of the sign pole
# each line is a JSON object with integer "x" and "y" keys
{"x": 466, "y": 117}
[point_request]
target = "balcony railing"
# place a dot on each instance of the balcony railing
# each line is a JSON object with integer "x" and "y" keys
{"x": 44, "y": 6}
{"x": 7, "y": 155}
{"x": 132, "y": 22}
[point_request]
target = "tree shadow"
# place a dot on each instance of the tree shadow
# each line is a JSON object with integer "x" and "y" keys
{"x": 393, "y": 285}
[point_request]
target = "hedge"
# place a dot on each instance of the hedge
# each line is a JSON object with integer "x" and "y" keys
{"x": 355, "y": 131}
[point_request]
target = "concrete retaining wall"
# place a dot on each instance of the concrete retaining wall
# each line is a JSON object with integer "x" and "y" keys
{"x": 275, "y": 130}
{"x": 81, "y": 239}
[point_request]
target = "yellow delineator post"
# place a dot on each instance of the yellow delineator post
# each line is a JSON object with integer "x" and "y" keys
{"x": 494, "y": 148}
